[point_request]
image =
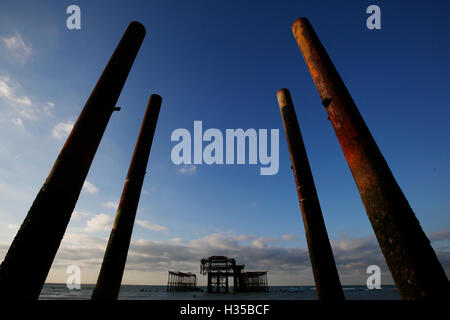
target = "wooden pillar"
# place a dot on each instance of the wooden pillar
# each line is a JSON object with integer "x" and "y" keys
{"x": 328, "y": 285}
{"x": 407, "y": 250}
{"x": 30, "y": 256}
{"x": 110, "y": 277}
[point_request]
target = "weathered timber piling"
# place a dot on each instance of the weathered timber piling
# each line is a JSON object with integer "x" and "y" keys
{"x": 407, "y": 250}
{"x": 30, "y": 256}
{"x": 325, "y": 273}
{"x": 111, "y": 272}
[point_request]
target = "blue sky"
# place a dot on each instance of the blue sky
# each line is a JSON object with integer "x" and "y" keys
{"x": 222, "y": 62}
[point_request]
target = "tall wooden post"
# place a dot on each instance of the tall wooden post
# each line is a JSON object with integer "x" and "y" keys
{"x": 30, "y": 256}
{"x": 110, "y": 277}
{"x": 408, "y": 253}
{"x": 324, "y": 269}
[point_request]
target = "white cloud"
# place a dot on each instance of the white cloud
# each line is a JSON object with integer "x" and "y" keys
{"x": 62, "y": 129}
{"x": 79, "y": 240}
{"x": 17, "y": 122}
{"x": 111, "y": 205}
{"x": 150, "y": 226}
{"x": 18, "y": 194}
{"x": 17, "y": 47}
{"x": 192, "y": 169}
{"x": 89, "y": 187}
{"x": 349, "y": 244}
{"x": 77, "y": 215}
{"x": 177, "y": 240}
{"x": 440, "y": 235}
{"x": 13, "y": 228}
{"x": 218, "y": 240}
{"x": 243, "y": 237}
{"x": 287, "y": 237}
{"x": 100, "y": 222}
{"x": 8, "y": 93}
{"x": 262, "y": 242}
{"x": 48, "y": 108}
{"x": 21, "y": 106}
{"x": 258, "y": 243}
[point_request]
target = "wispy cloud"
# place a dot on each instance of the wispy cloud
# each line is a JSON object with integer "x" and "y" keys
{"x": 151, "y": 226}
{"x": 15, "y": 193}
{"x": 241, "y": 237}
{"x": 48, "y": 108}
{"x": 18, "y": 47}
{"x": 21, "y": 107}
{"x": 177, "y": 240}
{"x": 77, "y": 215}
{"x": 262, "y": 242}
{"x": 89, "y": 187}
{"x": 80, "y": 240}
{"x": 111, "y": 205}
{"x": 99, "y": 222}
{"x": 62, "y": 129}
{"x": 288, "y": 237}
{"x": 18, "y": 123}
{"x": 259, "y": 243}
{"x": 22, "y": 110}
{"x": 13, "y": 226}
{"x": 8, "y": 93}
{"x": 440, "y": 235}
{"x": 192, "y": 169}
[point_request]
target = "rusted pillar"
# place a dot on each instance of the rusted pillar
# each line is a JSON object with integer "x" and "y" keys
{"x": 110, "y": 277}
{"x": 324, "y": 269}
{"x": 28, "y": 261}
{"x": 408, "y": 253}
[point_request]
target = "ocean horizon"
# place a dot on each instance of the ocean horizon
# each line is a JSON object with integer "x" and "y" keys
{"x": 59, "y": 291}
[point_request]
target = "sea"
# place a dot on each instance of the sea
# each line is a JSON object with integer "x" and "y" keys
{"x": 153, "y": 292}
